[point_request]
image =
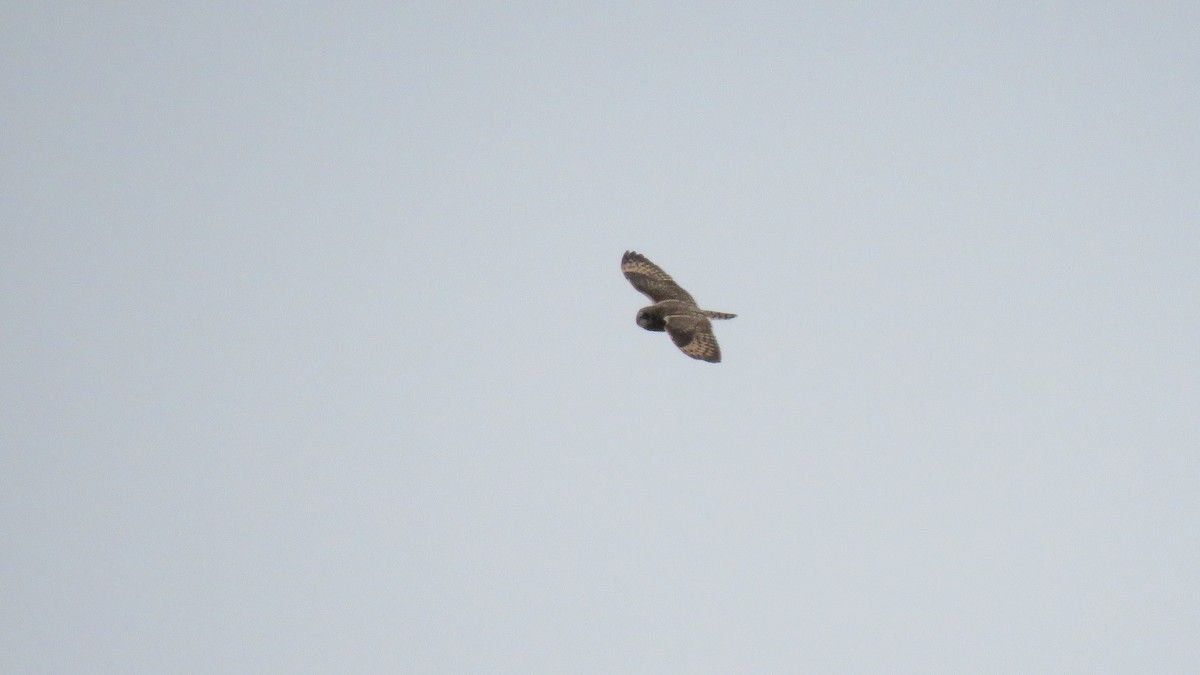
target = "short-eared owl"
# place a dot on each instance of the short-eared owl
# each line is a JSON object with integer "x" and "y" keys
{"x": 673, "y": 310}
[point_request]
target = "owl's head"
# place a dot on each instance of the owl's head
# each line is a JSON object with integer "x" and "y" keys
{"x": 650, "y": 320}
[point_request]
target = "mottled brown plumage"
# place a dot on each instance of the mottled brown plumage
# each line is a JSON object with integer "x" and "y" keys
{"x": 674, "y": 310}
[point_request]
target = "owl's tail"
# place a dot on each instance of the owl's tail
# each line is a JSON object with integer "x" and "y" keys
{"x": 717, "y": 315}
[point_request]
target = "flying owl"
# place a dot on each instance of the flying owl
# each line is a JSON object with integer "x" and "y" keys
{"x": 674, "y": 310}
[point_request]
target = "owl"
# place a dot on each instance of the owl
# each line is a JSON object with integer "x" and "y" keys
{"x": 674, "y": 310}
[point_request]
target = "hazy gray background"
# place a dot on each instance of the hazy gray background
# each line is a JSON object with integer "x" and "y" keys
{"x": 317, "y": 356}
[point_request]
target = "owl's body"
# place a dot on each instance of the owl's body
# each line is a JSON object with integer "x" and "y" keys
{"x": 674, "y": 310}
{"x": 654, "y": 317}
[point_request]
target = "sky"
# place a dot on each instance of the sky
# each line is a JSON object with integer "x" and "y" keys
{"x": 317, "y": 356}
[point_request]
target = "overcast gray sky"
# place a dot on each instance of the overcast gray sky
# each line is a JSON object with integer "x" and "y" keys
{"x": 317, "y": 356}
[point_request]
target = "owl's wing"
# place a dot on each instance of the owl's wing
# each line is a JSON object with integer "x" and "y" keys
{"x": 651, "y": 280}
{"x": 693, "y": 335}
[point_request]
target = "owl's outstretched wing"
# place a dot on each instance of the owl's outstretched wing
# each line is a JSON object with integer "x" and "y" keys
{"x": 694, "y": 336}
{"x": 651, "y": 280}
